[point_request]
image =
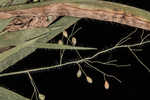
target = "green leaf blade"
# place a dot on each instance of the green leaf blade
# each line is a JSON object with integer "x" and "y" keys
{"x": 18, "y": 37}
{"x": 66, "y": 22}
{"x": 9, "y": 54}
{"x": 58, "y": 46}
{"x": 6, "y": 94}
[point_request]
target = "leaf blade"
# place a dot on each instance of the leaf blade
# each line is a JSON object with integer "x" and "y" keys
{"x": 6, "y": 94}
{"x": 18, "y": 37}
{"x": 59, "y": 46}
{"x": 68, "y": 21}
{"x": 9, "y": 53}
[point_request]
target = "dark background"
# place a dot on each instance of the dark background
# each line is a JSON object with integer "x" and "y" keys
{"x": 62, "y": 82}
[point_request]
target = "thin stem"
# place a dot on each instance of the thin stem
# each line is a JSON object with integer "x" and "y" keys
{"x": 142, "y": 35}
{"x": 36, "y": 91}
{"x": 72, "y": 33}
{"x": 138, "y": 59}
{"x": 105, "y": 74}
{"x": 61, "y": 52}
{"x": 117, "y": 47}
{"x": 126, "y": 38}
{"x": 109, "y": 63}
{"x": 145, "y": 38}
{"x": 98, "y": 69}
{"x": 82, "y": 60}
{"x": 42, "y": 68}
{"x": 80, "y": 67}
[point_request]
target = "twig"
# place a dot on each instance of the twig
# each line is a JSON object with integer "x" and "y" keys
{"x": 91, "y": 66}
{"x": 109, "y": 63}
{"x": 105, "y": 74}
{"x": 138, "y": 59}
{"x": 36, "y": 91}
{"x": 68, "y": 39}
{"x": 145, "y": 38}
{"x": 126, "y": 38}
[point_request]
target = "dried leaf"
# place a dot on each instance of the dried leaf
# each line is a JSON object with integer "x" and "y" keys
{"x": 4, "y": 23}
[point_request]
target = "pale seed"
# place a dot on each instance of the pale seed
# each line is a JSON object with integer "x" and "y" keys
{"x": 89, "y": 79}
{"x": 74, "y": 41}
{"x": 35, "y": 0}
{"x": 106, "y": 85}
{"x": 60, "y": 42}
{"x": 79, "y": 73}
{"x": 65, "y": 34}
{"x": 41, "y": 97}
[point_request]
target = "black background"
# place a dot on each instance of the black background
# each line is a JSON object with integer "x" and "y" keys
{"x": 62, "y": 82}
